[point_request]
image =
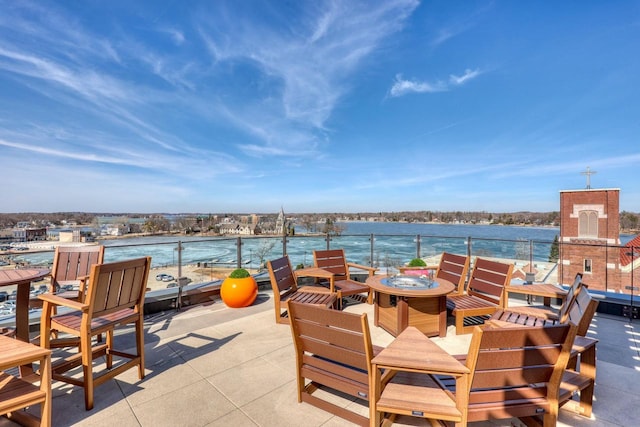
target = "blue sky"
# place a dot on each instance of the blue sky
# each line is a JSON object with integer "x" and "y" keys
{"x": 316, "y": 106}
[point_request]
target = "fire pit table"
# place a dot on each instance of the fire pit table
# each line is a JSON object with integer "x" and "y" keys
{"x": 404, "y": 300}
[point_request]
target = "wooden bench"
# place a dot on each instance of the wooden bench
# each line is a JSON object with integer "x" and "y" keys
{"x": 18, "y": 393}
{"x": 483, "y": 297}
{"x": 334, "y": 350}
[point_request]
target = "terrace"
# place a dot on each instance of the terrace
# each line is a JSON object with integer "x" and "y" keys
{"x": 212, "y": 365}
{"x": 207, "y": 364}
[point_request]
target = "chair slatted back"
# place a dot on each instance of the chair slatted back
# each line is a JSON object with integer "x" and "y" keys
{"x": 332, "y": 260}
{"x": 517, "y": 371}
{"x": 573, "y": 291}
{"x": 73, "y": 262}
{"x": 488, "y": 279}
{"x": 116, "y": 286}
{"x": 582, "y": 310}
{"x": 454, "y": 268}
{"x": 283, "y": 281}
{"x": 332, "y": 342}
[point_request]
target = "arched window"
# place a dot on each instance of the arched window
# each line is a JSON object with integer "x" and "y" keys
{"x": 588, "y": 224}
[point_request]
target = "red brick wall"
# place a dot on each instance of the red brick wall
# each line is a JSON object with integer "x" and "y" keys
{"x": 605, "y": 262}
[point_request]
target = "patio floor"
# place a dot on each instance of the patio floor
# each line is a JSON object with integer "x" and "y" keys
{"x": 214, "y": 366}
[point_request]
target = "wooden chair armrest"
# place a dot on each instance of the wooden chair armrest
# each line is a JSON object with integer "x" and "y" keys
{"x": 57, "y": 300}
{"x": 82, "y": 287}
{"x": 371, "y": 270}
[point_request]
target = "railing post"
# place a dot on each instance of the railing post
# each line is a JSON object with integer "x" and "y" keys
{"x": 284, "y": 244}
{"x": 239, "y": 251}
{"x": 469, "y": 256}
{"x": 372, "y": 239}
{"x": 418, "y": 246}
{"x": 530, "y": 256}
{"x": 179, "y": 249}
{"x": 328, "y": 240}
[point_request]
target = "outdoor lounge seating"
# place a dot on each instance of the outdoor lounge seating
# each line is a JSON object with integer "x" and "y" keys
{"x": 510, "y": 372}
{"x": 284, "y": 284}
{"x": 334, "y": 261}
{"x": 334, "y": 350}
{"x": 484, "y": 294}
{"x": 580, "y": 375}
{"x": 114, "y": 297}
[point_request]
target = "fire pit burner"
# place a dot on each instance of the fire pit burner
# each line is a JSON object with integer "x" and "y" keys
{"x": 410, "y": 282}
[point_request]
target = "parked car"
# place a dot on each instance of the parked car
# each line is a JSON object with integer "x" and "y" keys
{"x": 4, "y": 295}
{"x": 172, "y": 285}
{"x": 160, "y": 277}
{"x": 167, "y": 278}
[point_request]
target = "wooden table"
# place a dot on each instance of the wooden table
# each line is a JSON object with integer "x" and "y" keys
{"x": 396, "y": 308}
{"x": 22, "y": 278}
{"x": 17, "y": 393}
{"x": 545, "y": 290}
{"x": 416, "y": 394}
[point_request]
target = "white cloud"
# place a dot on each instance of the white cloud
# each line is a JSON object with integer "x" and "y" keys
{"x": 403, "y": 87}
{"x": 468, "y": 75}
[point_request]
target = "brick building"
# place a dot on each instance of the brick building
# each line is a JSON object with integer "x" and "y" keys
{"x": 590, "y": 240}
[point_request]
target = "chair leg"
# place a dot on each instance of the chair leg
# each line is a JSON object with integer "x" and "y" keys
{"x": 109, "y": 347}
{"x": 45, "y": 326}
{"x": 87, "y": 369}
{"x": 140, "y": 345}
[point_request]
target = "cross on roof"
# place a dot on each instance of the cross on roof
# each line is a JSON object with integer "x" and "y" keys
{"x": 588, "y": 173}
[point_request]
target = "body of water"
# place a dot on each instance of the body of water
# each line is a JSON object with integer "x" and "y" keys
{"x": 394, "y": 244}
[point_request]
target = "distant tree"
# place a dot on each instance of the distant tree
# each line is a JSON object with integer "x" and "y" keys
{"x": 554, "y": 252}
{"x": 330, "y": 227}
{"x": 263, "y": 250}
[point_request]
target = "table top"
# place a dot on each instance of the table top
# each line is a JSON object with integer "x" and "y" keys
{"x": 413, "y": 350}
{"x": 15, "y": 352}
{"x": 16, "y": 276}
{"x": 538, "y": 289}
{"x": 444, "y": 287}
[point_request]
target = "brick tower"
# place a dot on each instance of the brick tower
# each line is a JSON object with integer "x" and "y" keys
{"x": 589, "y": 223}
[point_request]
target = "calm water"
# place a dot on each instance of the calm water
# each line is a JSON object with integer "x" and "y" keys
{"x": 394, "y": 244}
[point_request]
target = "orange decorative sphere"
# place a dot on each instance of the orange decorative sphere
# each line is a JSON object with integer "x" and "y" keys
{"x": 237, "y": 293}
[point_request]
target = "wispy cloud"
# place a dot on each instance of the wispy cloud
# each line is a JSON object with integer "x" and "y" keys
{"x": 460, "y": 80}
{"x": 314, "y": 66}
{"x": 402, "y": 86}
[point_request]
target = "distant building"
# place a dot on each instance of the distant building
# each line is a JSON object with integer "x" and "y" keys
{"x": 237, "y": 228}
{"x": 31, "y": 234}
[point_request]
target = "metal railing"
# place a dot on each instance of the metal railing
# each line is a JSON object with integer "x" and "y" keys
{"x": 607, "y": 268}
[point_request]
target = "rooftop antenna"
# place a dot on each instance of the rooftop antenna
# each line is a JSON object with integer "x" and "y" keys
{"x": 588, "y": 173}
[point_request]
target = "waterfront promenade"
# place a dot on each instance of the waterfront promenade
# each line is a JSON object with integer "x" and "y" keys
{"x": 214, "y": 366}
